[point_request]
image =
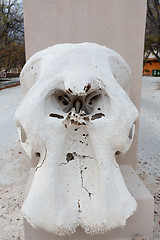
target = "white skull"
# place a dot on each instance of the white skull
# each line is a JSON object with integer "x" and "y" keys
{"x": 76, "y": 115}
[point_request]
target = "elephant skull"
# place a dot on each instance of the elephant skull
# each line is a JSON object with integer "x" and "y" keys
{"x": 75, "y": 117}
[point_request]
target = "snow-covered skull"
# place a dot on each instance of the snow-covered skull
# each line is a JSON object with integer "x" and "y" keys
{"x": 76, "y": 115}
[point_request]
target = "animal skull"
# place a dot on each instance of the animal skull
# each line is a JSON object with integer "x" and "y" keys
{"x": 76, "y": 115}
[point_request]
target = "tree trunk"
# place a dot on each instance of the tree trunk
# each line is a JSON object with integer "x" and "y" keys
{"x": 156, "y": 55}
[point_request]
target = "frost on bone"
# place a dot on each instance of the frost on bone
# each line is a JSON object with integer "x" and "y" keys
{"x": 78, "y": 113}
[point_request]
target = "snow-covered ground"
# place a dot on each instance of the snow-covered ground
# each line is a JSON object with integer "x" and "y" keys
{"x": 14, "y": 164}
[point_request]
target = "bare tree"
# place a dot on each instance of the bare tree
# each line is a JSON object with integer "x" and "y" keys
{"x": 152, "y": 35}
{"x": 11, "y": 34}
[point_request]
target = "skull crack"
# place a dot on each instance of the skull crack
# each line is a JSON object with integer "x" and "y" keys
{"x": 69, "y": 157}
{"x": 42, "y": 161}
{"x": 82, "y": 182}
{"x": 79, "y": 206}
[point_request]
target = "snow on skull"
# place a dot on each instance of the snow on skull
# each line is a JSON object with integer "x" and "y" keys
{"x": 76, "y": 114}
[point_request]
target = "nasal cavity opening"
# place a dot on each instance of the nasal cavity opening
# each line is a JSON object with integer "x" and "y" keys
{"x": 77, "y": 104}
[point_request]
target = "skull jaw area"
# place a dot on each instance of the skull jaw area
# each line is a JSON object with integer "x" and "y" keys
{"x": 80, "y": 190}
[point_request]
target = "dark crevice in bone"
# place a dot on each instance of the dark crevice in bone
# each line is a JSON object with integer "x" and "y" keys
{"x": 85, "y": 135}
{"x": 98, "y": 109}
{"x": 63, "y": 163}
{"x": 89, "y": 193}
{"x": 82, "y": 114}
{"x": 69, "y": 90}
{"x": 69, "y": 157}
{"x": 85, "y": 156}
{"x": 97, "y": 115}
{"x": 56, "y": 115}
{"x": 93, "y": 99}
{"x": 77, "y": 105}
{"x": 77, "y": 123}
{"x": 86, "y": 88}
{"x": 117, "y": 153}
{"x": 79, "y": 206}
{"x": 42, "y": 161}
{"x": 64, "y": 99}
{"x": 35, "y": 157}
{"x": 131, "y": 133}
{"x": 86, "y": 118}
{"x": 37, "y": 154}
{"x": 90, "y": 103}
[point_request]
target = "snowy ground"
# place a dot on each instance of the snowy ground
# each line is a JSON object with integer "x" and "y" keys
{"x": 14, "y": 164}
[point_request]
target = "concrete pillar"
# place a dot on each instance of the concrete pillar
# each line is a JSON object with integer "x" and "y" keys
{"x": 119, "y": 25}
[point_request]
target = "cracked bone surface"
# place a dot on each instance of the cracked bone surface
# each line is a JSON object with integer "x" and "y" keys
{"x": 75, "y": 116}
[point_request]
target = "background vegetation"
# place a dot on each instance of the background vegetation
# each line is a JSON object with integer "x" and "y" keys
{"x": 12, "y": 51}
{"x": 152, "y": 34}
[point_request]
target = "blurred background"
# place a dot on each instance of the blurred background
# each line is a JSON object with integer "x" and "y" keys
{"x": 12, "y": 44}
